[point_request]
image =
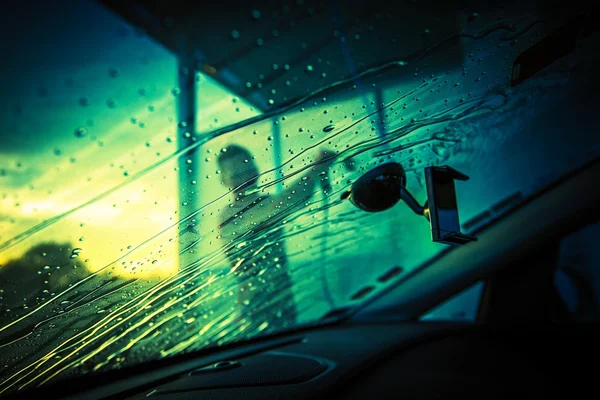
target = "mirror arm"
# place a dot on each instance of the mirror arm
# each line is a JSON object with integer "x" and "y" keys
{"x": 412, "y": 202}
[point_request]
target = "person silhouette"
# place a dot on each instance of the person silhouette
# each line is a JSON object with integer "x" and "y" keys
{"x": 251, "y": 228}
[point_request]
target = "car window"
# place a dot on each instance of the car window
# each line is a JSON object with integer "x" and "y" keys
{"x": 577, "y": 281}
{"x": 577, "y": 278}
{"x": 151, "y": 206}
{"x": 461, "y": 307}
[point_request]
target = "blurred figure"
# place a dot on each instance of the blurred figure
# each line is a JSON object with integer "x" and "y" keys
{"x": 252, "y": 231}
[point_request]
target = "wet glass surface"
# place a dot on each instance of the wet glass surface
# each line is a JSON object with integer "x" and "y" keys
{"x": 128, "y": 233}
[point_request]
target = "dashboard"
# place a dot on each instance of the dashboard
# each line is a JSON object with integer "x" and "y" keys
{"x": 354, "y": 361}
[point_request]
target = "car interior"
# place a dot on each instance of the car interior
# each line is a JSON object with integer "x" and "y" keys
{"x": 299, "y": 200}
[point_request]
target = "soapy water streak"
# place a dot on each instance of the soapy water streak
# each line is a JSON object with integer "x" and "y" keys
{"x": 180, "y": 304}
{"x": 108, "y": 331}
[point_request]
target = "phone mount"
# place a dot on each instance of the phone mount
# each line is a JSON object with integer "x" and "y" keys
{"x": 382, "y": 187}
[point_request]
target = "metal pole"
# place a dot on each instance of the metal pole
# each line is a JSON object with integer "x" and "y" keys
{"x": 188, "y": 164}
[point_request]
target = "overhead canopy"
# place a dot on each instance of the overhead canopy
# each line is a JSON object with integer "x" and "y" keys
{"x": 276, "y": 51}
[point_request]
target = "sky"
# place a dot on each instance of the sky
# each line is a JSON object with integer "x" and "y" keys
{"x": 88, "y": 102}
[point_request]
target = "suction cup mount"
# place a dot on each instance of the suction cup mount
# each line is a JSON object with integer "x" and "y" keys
{"x": 382, "y": 187}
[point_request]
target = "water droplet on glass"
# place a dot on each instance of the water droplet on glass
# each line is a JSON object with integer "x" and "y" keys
{"x": 84, "y": 102}
{"x": 235, "y": 34}
{"x": 176, "y": 91}
{"x": 81, "y": 132}
{"x": 113, "y": 72}
{"x": 57, "y": 152}
{"x": 75, "y": 252}
{"x": 309, "y": 68}
{"x": 439, "y": 150}
{"x": 329, "y": 128}
{"x": 472, "y": 17}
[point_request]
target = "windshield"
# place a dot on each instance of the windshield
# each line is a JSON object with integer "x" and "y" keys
{"x": 163, "y": 192}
